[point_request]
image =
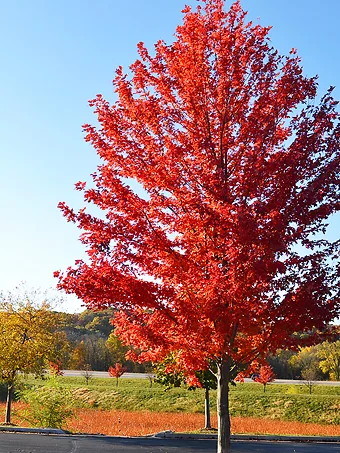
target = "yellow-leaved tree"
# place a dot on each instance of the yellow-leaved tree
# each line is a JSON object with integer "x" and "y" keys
{"x": 329, "y": 353}
{"x": 29, "y": 339}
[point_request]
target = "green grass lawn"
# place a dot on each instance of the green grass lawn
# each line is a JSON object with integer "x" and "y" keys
{"x": 284, "y": 402}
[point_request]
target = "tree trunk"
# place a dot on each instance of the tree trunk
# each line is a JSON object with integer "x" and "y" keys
{"x": 9, "y": 403}
{"x": 207, "y": 409}
{"x": 223, "y": 417}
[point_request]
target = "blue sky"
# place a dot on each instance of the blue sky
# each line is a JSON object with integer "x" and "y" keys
{"x": 57, "y": 55}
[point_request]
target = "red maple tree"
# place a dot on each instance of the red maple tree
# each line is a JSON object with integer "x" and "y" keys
{"x": 236, "y": 164}
{"x": 55, "y": 368}
{"x": 265, "y": 375}
{"x": 117, "y": 371}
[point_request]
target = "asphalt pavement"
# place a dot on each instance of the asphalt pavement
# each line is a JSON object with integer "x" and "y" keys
{"x": 39, "y": 443}
{"x": 104, "y": 374}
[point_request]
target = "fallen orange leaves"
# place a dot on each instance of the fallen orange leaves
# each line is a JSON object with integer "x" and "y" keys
{"x": 123, "y": 423}
{"x": 17, "y": 407}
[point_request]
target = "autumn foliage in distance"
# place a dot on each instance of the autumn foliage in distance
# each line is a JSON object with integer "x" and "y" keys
{"x": 218, "y": 161}
{"x": 265, "y": 375}
{"x": 117, "y": 371}
{"x": 55, "y": 368}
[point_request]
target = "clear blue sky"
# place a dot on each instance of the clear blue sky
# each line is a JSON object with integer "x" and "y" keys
{"x": 55, "y": 55}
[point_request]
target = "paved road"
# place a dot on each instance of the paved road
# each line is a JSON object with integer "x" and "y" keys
{"x": 291, "y": 381}
{"x": 34, "y": 443}
{"x": 105, "y": 374}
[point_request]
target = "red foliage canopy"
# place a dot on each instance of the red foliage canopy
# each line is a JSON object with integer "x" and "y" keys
{"x": 117, "y": 370}
{"x": 216, "y": 252}
{"x": 265, "y": 375}
{"x": 55, "y": 368}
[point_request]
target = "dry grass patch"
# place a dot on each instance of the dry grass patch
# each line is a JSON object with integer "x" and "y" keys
{"x": 123, "y": 423}
{"x": 240, "y": 425}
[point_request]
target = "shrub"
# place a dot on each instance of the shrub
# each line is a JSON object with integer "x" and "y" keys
{"x": 49, "y": 407}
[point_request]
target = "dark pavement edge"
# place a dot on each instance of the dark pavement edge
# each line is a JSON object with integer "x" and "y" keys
{"x": 172, "y": 435}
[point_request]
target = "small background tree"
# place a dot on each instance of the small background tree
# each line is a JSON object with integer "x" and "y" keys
{"x": 150, "y": 373}
{"x": 55, "y": 368}
{"x": 170, "y": 375}
{"x": 207, "y": 381}
{"x": 309, "y": 376}
{"x": 117, "y": 371}
{"x": 265, "y": 375}
{"x": 87, "y": 373}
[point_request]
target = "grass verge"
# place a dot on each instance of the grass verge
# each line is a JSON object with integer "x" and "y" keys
{"x": 280, "y": 402}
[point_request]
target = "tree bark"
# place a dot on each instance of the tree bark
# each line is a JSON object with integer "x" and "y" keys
{"x": 207, "y": 409}
{"x": 223, "y": 417}
{"x": 9, "y": 403}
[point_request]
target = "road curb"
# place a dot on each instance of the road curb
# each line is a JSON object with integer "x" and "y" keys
{"x": 173, "y": 435}
{"x": 18, "y": 429}
{"x": 237, "y": 437}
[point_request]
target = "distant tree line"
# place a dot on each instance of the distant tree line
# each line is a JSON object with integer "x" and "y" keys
{"x": 86, "y": 341}
{"x": 89, "y": 343}
{"x": 309, "y": 363}
{"x": 92, "y": 343}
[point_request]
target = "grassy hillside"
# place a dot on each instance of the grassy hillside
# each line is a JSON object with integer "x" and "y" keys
{"x": 280, "y": 402}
